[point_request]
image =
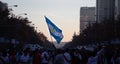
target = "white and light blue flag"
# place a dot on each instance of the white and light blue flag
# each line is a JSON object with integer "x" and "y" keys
{"x": 54, "y": 30}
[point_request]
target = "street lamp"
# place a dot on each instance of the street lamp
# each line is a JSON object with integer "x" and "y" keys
{"x": 21, "y": 14}
{"x": 13, "y": 6}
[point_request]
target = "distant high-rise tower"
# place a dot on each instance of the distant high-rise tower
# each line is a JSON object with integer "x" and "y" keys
{"x": 104, "y": 10}
{"x": 87, "y": 17}
{"x": 117, "y": 8}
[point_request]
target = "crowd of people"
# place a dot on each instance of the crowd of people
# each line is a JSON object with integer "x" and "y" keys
{"x": 100, "y": 55}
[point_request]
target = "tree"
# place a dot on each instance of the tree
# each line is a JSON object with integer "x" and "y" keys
{"x": 19, "y": 28}
{"x": 106, "y": 30}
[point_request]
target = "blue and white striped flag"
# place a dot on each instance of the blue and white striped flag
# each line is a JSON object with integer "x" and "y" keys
{"x": 54, "y": 30}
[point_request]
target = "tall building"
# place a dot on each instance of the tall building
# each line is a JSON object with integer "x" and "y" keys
{"x": 87, "y": 17}
{"x": 117, "y": 8}
{"x": 104, "y": 10}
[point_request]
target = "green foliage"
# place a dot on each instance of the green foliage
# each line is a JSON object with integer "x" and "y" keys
{"x": 4, "y": 11}
{"x": 17, "y": 27}
{"x": 106, "y": 30}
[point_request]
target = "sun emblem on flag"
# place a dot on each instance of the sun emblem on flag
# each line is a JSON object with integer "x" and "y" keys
{"x": 53, "y": 30}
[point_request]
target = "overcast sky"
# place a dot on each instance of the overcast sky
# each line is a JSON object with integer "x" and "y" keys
{"x": 64, "y": 13}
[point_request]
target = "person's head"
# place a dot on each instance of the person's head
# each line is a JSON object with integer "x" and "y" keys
{"x": 93, "y": 53}
{"x": 59, "y": 51}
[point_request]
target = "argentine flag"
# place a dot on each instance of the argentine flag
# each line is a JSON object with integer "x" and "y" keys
{"x": 54, "y": 30}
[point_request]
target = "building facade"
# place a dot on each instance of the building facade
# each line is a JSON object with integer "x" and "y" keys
{"x": 105, "y": 10}
{"x": 87, "y": 17}
{"x": 117, "y": 8}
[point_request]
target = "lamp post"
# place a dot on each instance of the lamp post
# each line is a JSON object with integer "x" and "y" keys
{"x": 13, "y": 6}
{"x": 21, "y": 14}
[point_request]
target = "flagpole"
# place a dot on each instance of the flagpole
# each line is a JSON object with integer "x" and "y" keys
{"x": 52, "y": 42}
{"x": 51, "y": 39}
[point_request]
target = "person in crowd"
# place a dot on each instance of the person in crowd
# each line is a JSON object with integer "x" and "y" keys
{"x": 76, "y": 57}
{"x": 44, "y": 57}
{"x": 97, "y": 57}
{"x": 67, "y": 57}
{"x": 113, "y": 59}
{"x": 17, "y": 56}
{"x": 118, "y": 59}
{"x": 37, "y": 57}
{"x": 59, "y": 59}
{"x": 12, "y": 56}
{"x": 25, "y": 58}
{"x": 84, "y": 55}
{"x": 52, "y": 57}
{"x": 92, "y": 59}
{"x": 5, "y": 57}
{"x": 1, "y": 60}
{"x": 102, "y": 59}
